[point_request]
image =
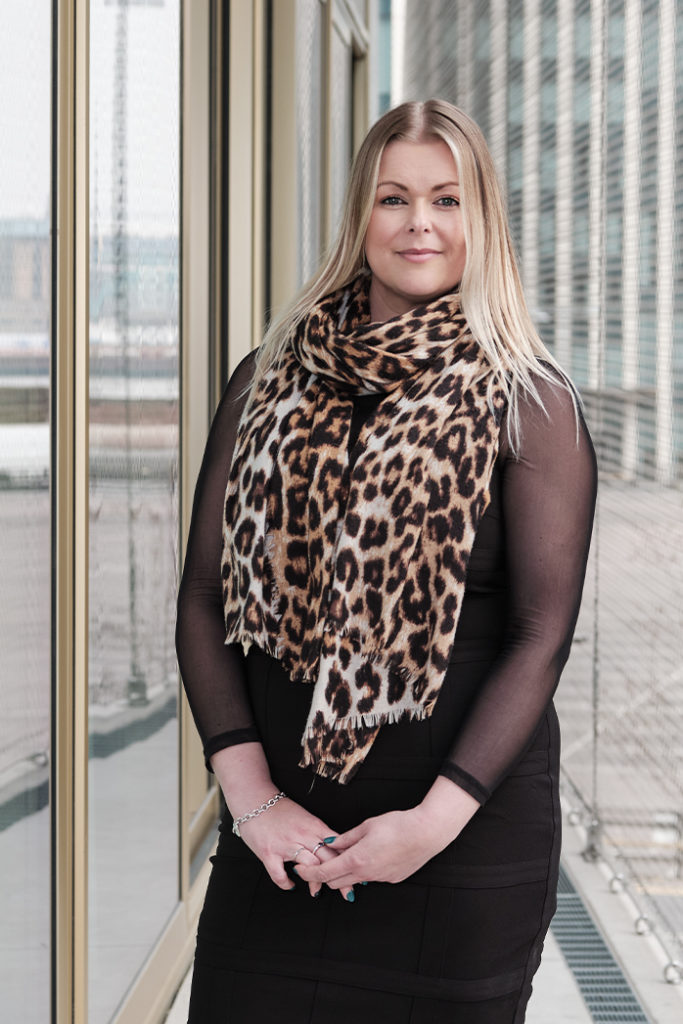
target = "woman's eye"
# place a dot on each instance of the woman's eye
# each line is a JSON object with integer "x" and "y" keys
{"x": 391, "y": 201}
{"x": 448, "y": 201}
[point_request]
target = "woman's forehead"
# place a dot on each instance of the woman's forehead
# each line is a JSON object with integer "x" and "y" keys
{"x": 404, "y": 160}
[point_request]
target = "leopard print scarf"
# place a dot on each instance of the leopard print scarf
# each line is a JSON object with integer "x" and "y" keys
{"x": 354, "y": 579}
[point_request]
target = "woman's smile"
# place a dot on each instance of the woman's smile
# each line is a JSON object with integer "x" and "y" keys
{"x": 418, "y": 255}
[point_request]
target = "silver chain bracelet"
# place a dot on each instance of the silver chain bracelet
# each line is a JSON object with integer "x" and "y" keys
{"x": 255, "y": 813}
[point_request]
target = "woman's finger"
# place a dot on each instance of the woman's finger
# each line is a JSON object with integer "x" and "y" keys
{"x": 324, "y": 873}
{"x": 306, "y": 858}
{"x": 344, "y": 840}
{"x": 276, "y": 869}
{"x": 307, "y": 862}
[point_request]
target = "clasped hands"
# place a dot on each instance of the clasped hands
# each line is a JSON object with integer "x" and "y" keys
{"x": 387, "y": 848}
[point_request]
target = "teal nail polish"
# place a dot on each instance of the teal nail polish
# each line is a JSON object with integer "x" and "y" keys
{"x": 330, "y": 839}
{"x": 295, "y": 871}
{"x": 351, "y": 896}
{"x": 363, "y": 883}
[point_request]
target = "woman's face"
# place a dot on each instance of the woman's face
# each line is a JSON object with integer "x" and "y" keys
{"x": 414, "y": 245}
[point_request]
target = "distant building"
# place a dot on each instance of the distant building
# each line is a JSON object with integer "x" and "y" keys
{"x": 24, "y": 275}
{"x": 583, "y": 111}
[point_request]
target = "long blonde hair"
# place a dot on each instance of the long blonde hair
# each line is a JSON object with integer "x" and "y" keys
{"x": 491, "y": 291}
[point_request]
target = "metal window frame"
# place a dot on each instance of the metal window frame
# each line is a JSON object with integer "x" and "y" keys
{"x": 69, "y": 417}
{"x": 153, "y": 989}
{"x": 223, "y": 272}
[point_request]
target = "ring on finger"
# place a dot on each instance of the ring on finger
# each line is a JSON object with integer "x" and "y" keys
{"x": 297, "y": 852}
{"x": 317, "y": 847}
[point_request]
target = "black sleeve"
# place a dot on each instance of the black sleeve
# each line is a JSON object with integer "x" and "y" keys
{"x": 213, "y": 672}
{"x": 549, "y": 492}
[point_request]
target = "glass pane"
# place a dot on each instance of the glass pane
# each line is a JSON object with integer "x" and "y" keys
{"x": 134, "y": 349}
{"x": 25, "y": 557}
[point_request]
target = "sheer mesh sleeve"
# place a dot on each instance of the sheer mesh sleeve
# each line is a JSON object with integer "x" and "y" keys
{"x": 548, "y": 495}
{"x": 213, "y": 672}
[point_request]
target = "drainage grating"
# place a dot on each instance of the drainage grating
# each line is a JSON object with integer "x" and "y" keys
{"x": 605, "y": 990}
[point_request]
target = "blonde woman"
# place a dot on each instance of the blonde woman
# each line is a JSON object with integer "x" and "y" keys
{"x": 385, "y": 565}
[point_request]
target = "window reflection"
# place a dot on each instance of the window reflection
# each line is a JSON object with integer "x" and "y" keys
{"x": 134, "y": 349}
{"x": 25, "y": 511}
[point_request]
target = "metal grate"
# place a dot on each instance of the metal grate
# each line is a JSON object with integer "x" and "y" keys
{"x": 605, "y": 989}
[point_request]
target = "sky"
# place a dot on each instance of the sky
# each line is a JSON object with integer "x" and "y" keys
{"x": 152, "y": 101}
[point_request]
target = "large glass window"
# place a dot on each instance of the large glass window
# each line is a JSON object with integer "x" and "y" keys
{"x": 134, "y": 358}
{"x": 25, "y": 549}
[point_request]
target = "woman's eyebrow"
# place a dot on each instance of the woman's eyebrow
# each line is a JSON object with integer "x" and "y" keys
{"x": 404, "y": 188}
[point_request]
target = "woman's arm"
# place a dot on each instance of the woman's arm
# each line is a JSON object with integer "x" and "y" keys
{"x": 548, "y": 495}
{"x": 213, "y": 672}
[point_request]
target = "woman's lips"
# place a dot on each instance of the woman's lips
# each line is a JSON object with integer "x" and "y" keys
{"x": 418, "y": 255}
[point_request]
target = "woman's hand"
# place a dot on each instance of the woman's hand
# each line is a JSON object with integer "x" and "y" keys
{"x": 287, "y": 832}
{"x": 393, "y": 846}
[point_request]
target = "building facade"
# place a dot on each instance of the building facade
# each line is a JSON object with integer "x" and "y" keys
{"x": 581, "y": 102}
{"x": 172, "y": 172}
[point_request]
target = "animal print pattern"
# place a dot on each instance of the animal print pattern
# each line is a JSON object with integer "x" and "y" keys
{"x": 354, "y": 580}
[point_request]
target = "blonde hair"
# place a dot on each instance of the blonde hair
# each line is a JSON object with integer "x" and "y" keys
{"x": 491, "y": 291}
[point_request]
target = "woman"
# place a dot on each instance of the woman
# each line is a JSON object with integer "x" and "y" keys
{"x": 401, "y": 551}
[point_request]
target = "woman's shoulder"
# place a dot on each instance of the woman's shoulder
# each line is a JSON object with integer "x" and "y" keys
{"x": 235, "y": 395}
{"x": 241, "y": 376}
{"x": 555, "y": 398}
{"x": 549, "y": 416}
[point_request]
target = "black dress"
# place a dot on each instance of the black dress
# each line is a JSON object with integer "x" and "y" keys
{"x": 460, "y": 940}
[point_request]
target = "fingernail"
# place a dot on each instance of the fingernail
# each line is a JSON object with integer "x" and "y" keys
{"x": 295, "y": 871}
{"x": 363, "y": 883}
{"x": 351, "y": 896}
{"x": 292, "y": 888}
{"x": 316, "y": 894}
{"x": 330, "y": 839}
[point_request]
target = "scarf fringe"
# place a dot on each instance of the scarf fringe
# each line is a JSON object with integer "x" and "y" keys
{"x": 416, "y": 713}
{"x": 335, "y": 771}
{"x": 248, "y": 640}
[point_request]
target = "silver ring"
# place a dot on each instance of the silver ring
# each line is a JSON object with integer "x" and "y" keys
{"x": 317, "y": 847}
{"x": 297, "y": 852}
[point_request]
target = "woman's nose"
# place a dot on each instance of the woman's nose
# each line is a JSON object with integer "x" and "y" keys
{"x": 419, "y": 219}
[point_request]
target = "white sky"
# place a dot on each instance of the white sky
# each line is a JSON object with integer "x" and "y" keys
{"x": 153, "y": 117}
